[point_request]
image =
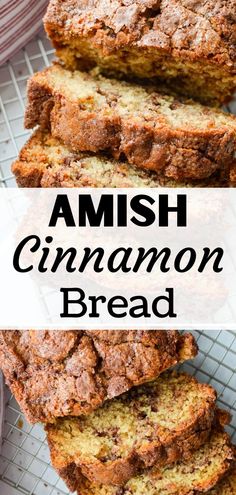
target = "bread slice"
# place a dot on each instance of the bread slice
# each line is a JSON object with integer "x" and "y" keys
{"x": 60, "y": 373}
{"x": 200, "y": 473}
{"x": 45, "y": 162}
{"x": 179, "y": 140}
{"x": 225, "y": 487}
{"x": 158, "y": 423}
{"x": 189, "y": 44}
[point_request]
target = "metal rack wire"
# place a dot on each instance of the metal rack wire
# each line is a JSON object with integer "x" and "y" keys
{"x": 13, "y": 79}
{"x": 24, "y": 461}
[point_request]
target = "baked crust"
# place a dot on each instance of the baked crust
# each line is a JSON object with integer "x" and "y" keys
{"x": 45, "y": 162}
{"x": 176, "y": 139}
{"x": 226, "y": 487}
{"x": 165, "y": 421}
{"x": 60, "y": 373}
{"x": 200, "y": 473}
{"x": 189, "y": 44}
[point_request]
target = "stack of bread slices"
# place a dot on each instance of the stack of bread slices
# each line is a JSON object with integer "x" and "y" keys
{"x": 119, "y": 421}
{"x": 125, "y": 105}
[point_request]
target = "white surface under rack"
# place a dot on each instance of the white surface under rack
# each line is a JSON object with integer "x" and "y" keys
{"x": 24, "y": 462}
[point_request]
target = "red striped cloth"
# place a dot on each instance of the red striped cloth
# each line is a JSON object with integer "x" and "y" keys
{"x": 19, "y": 22}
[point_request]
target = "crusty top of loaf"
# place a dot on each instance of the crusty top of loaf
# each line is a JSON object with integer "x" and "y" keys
{"x": 190, "y": 28}
{"x": 57, "y": 373}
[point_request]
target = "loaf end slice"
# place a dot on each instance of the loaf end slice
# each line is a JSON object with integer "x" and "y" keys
{"x": 190, "y": 46}
{"x": 59, "y": 373}
{"x": 45, "y": 161}
{"x": 177, "y": 139}
{"x": 201, "y": 473}
{"x": 158, "y": 423}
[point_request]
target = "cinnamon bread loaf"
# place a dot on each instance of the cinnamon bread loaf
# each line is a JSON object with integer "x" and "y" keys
{"x": 190, "y": 44}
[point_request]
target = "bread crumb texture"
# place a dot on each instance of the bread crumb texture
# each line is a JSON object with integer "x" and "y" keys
{"x": 199, "y": 474}
{"x": 160, "y": 422}
{"x": 45, "y": 161}
{"x": 176, "y": 138}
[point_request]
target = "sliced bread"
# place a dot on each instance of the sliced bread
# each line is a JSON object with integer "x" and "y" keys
{"x": 177, "y": 139}
{"x": 227, "y": 486}
{"x": 200, "y": 473}
{"x": 45, "y": 162}
{"x": 157, "y": 423}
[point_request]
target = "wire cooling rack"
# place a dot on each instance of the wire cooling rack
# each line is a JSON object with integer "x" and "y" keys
{"x": 13, "y": 79}
{"x": 24, "y": 463}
